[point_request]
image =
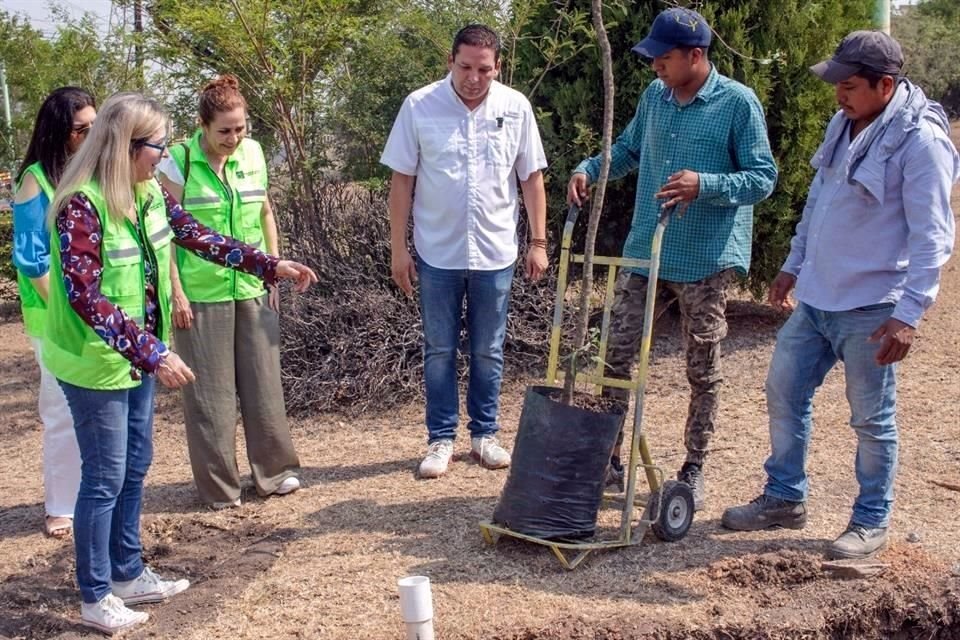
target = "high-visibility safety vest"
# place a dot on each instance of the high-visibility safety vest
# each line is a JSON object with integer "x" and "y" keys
{"x": 31, "y": 304}
{"x": 231, "y": 206}
{"x": 72, "y": 350}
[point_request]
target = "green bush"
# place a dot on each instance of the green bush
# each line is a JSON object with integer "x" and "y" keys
{"x": 793, "y": 33}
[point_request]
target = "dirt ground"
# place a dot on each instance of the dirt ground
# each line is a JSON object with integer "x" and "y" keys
{"x": 323, "y": 562}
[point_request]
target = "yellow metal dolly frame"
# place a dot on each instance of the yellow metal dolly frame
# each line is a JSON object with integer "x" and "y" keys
{"x": 670, "y": 522}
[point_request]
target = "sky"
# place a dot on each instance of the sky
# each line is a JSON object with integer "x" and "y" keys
{"x": 39, "y": 10}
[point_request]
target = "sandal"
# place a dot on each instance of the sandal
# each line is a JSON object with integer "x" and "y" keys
{"x": 58, "y": 526}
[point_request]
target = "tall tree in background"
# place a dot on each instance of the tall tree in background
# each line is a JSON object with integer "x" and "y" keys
{"x": 325, "y": 77}
{"x": 407, "y": 49}
{"x": 283, "y": 54}
{"x": 80, "y": 52}
{"x": 410, "y": 49}
{"x": 930, "y": 35}
{"x": 767, "y": 45}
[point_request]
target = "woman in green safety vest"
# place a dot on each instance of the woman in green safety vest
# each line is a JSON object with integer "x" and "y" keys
{"x": 62, "y": 123}
{"x": 226, "y": 326}
{"x": 105, "y": 340}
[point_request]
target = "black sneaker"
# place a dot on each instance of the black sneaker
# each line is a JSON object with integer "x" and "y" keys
{"x": 614, "y": 480}
{"x": 857, "y": 542}
{"x": 692, "y": 475}
{"x": 765, "y": 512}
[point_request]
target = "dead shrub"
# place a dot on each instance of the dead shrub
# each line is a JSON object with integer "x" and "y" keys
{"x": 353, "y": 343}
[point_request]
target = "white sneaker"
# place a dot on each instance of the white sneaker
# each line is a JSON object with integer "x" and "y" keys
{"x": 437, "y": 460}
{"x": 148, "y": 587}
{"x": 488, "y": 452}
{"x": 289, "y": 485}
{"x": 110, "y": 615}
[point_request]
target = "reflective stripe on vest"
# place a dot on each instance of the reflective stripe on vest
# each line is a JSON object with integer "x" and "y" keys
{"x": 201, "y": 200}
{"x": 123, "y": 253}
{"x": 231, "y": 205}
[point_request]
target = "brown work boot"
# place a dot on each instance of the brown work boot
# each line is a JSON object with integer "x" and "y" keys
{"x": 764, "y": 512}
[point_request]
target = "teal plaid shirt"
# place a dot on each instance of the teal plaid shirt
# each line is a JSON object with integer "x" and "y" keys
{"x": 721, "y": 134}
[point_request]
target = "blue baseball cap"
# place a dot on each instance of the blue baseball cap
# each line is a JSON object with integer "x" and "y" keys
{"x": 675, "y": 27}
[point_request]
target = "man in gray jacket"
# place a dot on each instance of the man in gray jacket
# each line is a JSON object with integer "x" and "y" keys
{"x": 865, "y": 264}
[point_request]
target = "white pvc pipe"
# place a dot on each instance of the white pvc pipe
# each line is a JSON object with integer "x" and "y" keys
{"x": 420, "y": 630}
{"x": 416, "y": 607}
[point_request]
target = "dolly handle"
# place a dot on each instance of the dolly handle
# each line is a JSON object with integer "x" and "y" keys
{"x": 666, "y": 214}
{"x": 572, "y": 214}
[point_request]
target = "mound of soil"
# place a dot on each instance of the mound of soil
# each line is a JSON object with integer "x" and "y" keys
{"x": 782, "y": 568}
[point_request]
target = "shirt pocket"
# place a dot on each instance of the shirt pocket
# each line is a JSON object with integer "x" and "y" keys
{"x": 503, "y": 140}
{"x": 439, "y": 142}
{"x": 708, "y": 151}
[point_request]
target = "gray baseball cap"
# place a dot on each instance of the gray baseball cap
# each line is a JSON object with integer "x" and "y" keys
{"x": 861, "y": 50}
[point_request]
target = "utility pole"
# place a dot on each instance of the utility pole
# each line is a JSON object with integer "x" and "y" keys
{"x": 6, "y": 95}
{"x": 6, "y": 140}
{"x": 138, "y": 42}
{"x": 881, "y": 15}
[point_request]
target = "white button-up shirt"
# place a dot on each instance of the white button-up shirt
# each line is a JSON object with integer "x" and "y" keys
{"x": 465, "y": 204}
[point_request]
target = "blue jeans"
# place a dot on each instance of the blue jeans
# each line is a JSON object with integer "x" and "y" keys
{"x": 114, "y": 431}
{"x": 808, "y": 346}
{"x": 442, "y": 293}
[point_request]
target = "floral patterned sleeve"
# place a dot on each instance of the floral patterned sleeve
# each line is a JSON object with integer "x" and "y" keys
{"x": 213, "y": 246}
{"x": 78, "y": 227}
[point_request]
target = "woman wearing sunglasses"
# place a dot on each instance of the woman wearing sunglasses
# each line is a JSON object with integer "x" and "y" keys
{"x": 225, "y": 325}
{"x": 61, "y": 126}
{"x": 108, "y": 321}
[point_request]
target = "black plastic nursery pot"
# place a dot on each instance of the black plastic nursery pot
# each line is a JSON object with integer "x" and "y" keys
{"x": 557, "y": 475}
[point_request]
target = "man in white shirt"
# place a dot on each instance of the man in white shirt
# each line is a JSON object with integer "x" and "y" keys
{"x": 465, "y": 141}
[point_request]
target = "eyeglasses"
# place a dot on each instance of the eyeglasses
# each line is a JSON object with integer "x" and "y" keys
{"x": 82, "y": 129}
{"x": 159, "y": 146}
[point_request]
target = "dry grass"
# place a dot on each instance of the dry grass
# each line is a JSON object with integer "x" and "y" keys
{"x": 323, "y": 562}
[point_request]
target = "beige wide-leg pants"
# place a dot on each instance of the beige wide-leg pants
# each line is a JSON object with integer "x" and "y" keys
{"x": 234, "y": 350}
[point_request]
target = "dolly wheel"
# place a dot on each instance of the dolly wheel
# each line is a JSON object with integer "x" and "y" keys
{"x": 676, "y": 515}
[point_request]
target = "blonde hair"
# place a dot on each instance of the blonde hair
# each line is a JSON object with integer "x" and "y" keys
{"x": 124, "y": 123}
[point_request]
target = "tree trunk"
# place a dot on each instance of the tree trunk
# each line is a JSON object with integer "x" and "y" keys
{"x": 583, "y": 316}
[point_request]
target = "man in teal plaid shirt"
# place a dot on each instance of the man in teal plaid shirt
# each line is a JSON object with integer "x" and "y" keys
{"x": 699, "y": 141}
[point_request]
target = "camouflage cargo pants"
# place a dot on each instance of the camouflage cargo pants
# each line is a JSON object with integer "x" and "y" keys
{"x": 703, "y": 306}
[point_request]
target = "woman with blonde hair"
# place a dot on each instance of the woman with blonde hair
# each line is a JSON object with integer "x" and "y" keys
{"x": 225, "y": 325}
{"x": 108, "y": 319}
{"x": 62, "y": 124}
